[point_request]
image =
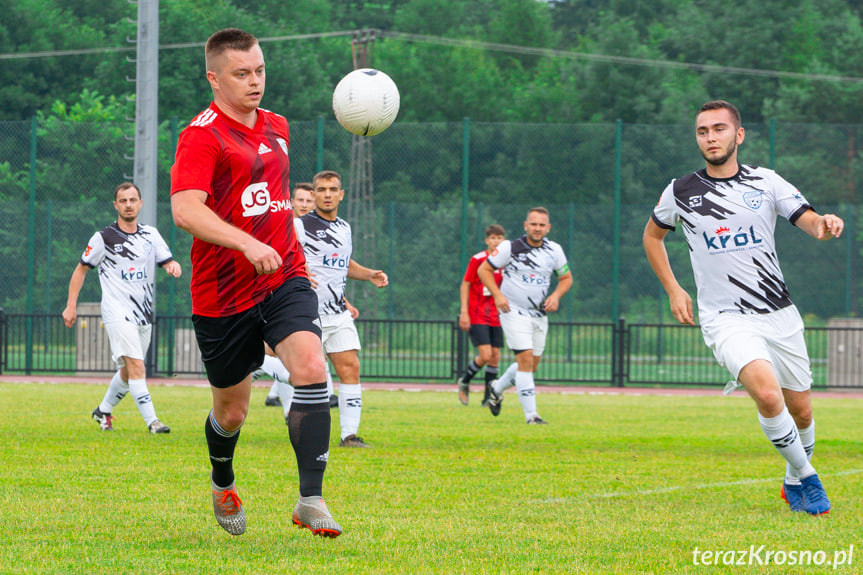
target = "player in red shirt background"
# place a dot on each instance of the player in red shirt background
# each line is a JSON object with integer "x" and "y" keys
{"x": 479, "y": 318}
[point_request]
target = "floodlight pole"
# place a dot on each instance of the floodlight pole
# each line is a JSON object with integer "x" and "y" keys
{"x": 147, "y": 108}
{"x": 361, "y": 203}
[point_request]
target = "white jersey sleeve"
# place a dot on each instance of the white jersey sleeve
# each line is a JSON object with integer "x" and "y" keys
{"x": 94, "y": 253}
{"x": 300, "y": 231}
{"x": 161, "y": 250}
{"x": 500, "y": 257}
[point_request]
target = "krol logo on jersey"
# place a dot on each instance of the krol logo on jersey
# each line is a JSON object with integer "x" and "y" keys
{"x": 256, "y": 201}
{"x": 133, "y": 275}
{"x": 336, "y": 261}
{"x": 533, "y": 279}
{"x": 723, "y": 239}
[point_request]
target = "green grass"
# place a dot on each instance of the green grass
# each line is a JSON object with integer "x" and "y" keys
{"x": 616, "y": 484}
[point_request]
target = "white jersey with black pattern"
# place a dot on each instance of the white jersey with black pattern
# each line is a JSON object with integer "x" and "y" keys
{"x": 127, "y": 268}
{"x": 527, "y": 272}
{"x": 729, "y": 226}
{"x": 328, "y": 246}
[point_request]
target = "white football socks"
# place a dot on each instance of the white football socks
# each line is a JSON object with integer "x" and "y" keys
{"x": 526, "y": 393}
{"x": 350, "y": 408}
{"x": 807, "y": 438}
{"x": 782, "y": 433}
{"x": 117, "y": 390}
{"x": 138, "y": 389}
{"x": 506, "y": 380}
{"x": 286, "y": 394}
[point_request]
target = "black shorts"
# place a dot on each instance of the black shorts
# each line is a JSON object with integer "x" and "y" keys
{"x": 232, "y": 347}
{"x": 486, "y": 335}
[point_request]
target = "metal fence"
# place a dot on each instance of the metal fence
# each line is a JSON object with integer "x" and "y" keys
{"x": 435, "y": 188}
{"x": 612, "y": 354}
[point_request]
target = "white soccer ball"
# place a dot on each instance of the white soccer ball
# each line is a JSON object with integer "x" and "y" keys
{"x": 366, "y": 102}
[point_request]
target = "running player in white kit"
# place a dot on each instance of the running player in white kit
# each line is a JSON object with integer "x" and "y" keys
{"x": 528, "y": 264}
{"x": 728, "y": 214}
{"x": 328, "y": 246}
{"x": 126, "y": 254}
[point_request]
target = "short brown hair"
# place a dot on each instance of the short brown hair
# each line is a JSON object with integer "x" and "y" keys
{"x": 538, "y": 210}
{"x": 227, "y": 39}
{"x": 126, "y": 186}
{"x": 327, "y": 175}
{"x": 302, "y": 186}
{"x": 495, "y": 230}
{"x": 722, "y": 105}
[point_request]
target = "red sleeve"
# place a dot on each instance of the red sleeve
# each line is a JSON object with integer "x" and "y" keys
{"x": 472, "y": 266}
{"x": 195, "y": 163}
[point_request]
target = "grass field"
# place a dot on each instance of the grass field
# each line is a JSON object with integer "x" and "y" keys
{"x": 616, "y": 484}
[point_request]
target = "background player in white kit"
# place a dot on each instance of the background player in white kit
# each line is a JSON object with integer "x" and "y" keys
{"x": 328, "y": 247}
{"x": 528, "y": 264}
{"x": 281, "y": 393}
{"x": 728, "y": 214}
{"x": 126, "y": 254}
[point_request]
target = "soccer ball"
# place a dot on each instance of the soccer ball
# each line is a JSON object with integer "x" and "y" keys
{"x": 366, "y": 102}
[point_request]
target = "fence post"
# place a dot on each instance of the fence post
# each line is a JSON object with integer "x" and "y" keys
{"x": 618, "y": 353}
{"x": 2, "y": 339}
{"x": 31, "y": 246}
{"x": 615, "y": 263}
{"x": 319, "y": 164}
{"x": 465, "y": 183}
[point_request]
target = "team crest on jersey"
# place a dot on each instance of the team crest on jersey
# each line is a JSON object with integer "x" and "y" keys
{"x": 695, "y": 201}
{"x": 283, "y": 145}
{"x": 321, "y": 234}
{"x": 753, "y": 199}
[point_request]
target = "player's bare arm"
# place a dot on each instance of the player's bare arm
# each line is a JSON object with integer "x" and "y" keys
{"x": 70, "y": 314}
{"x": 464, "y": 316}
{"x": 192, "y": 215}
{"x": 654, "y": 246}
{"x": 820, "y": 227}
{"x": 377, "y": 277}
{"x": 552, "y": 302}
{"x": 486, "y": 275}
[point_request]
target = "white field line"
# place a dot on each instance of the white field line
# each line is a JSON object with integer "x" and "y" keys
{"x": 673, "y": 488}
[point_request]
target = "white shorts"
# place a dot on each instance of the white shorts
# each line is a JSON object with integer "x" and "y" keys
{"x": 338, "y": 332}
{"x": 129, "y": 340}
{"x": 738, "y": 339}
{"x": 524, "y": 332}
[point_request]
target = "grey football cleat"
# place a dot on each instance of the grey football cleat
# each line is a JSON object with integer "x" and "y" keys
{"x": 353, "y": 441}
{"x": 536, "y": 420}
{"x": 463, "y": 390}
{"x": 158, "y": 427}
{"x": 311, "y": 513}
{"x": 228, "y": 509}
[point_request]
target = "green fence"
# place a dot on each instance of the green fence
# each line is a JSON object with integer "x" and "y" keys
{"x": 436, "y": 186}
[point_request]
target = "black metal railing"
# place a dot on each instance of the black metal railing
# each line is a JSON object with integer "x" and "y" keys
{"x": 613, "y": 354}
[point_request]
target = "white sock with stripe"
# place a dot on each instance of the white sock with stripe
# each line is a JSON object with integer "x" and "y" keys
{"x": 526, "y": 393}
{"x": 350, "y": 408}
{"x": 138, "y": 389}
{"x": 782, "y": 433}
{"x": 117, "y": 390}
{"x": 807, "y": 438}
{"x": 506, "y": 380}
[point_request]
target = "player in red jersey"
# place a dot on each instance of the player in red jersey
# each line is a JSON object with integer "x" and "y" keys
{"x": 479, "y": 318}
{"x": 229, "y": 189}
